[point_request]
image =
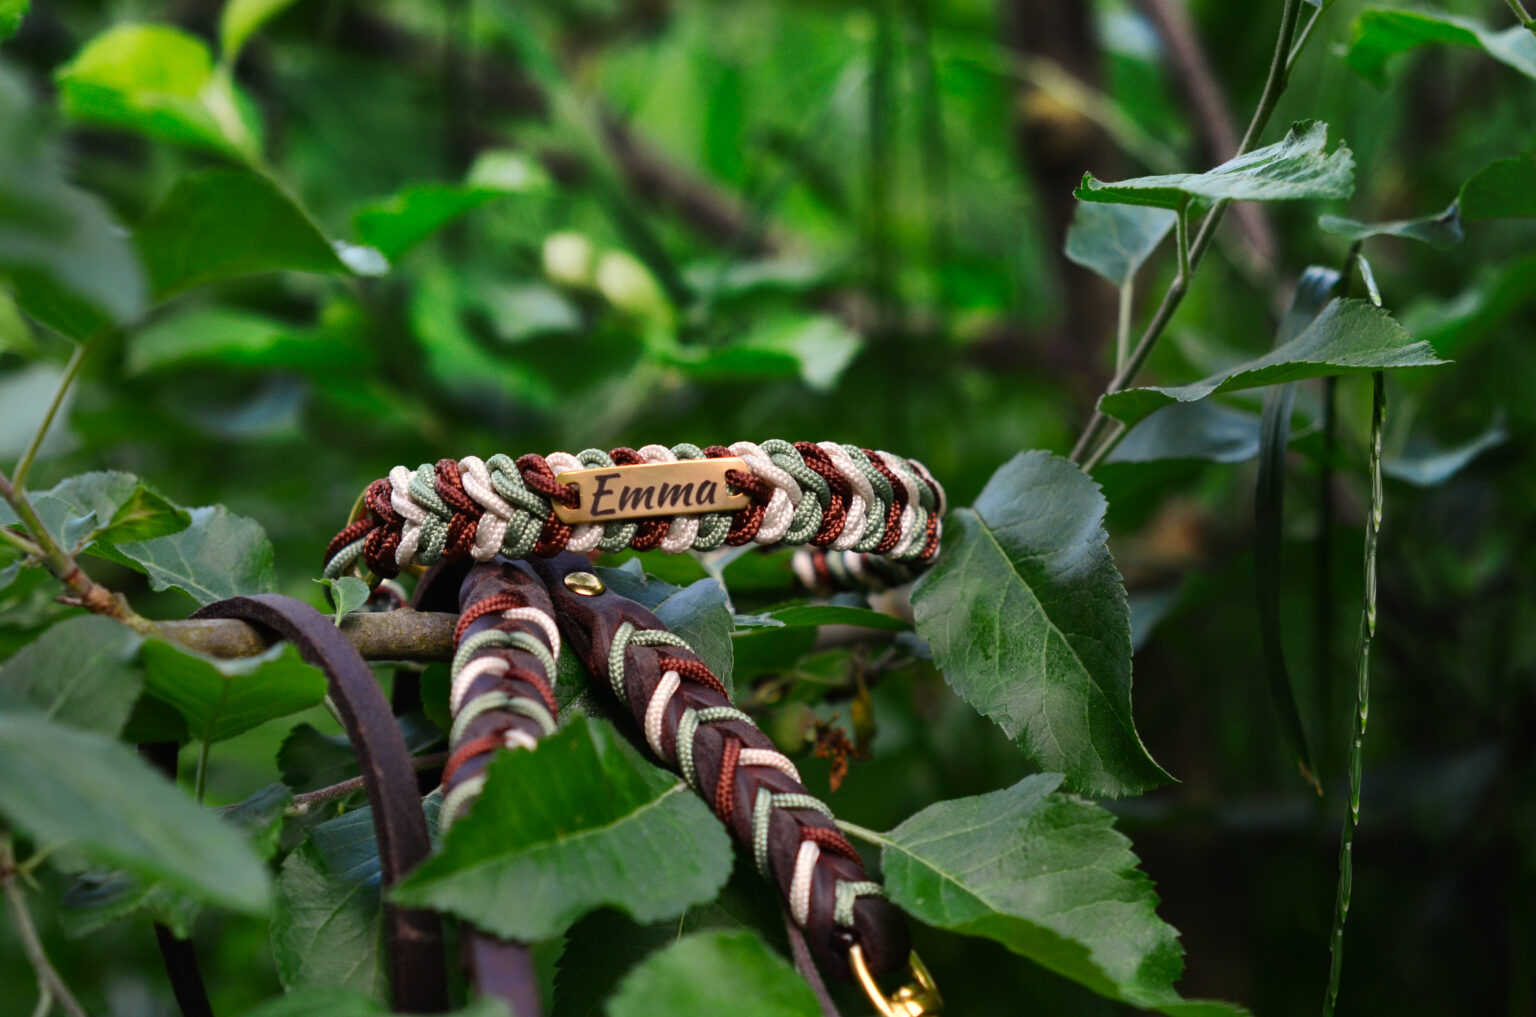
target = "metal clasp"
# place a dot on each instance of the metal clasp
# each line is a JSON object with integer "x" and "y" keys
{"x": 920, "y": 999}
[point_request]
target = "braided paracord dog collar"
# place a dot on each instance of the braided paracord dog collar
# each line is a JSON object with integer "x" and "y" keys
{"x": 684, "y": 498}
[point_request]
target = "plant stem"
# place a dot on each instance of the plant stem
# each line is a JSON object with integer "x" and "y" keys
{"x": 200, "y": 784}
{"x": 1322, "y": 601}
{"x": 1362, "y": 698}
{"x": 1116, "y": 432}
{"x": 1305, "y": 35}
{"x": 863, "y": 833}
{"x": 48, "y": 981}
{"x": 84, "y": 590}
{"x": 21, "y": 543}
{"x": 1520, "y": 12}
{"x": 1181, "y": 241}
{"x": 1274, "y": 87}
{"x": 71, "y": 372}
{"x": 302, "y": 802}
{"x": 1123, "y": 325}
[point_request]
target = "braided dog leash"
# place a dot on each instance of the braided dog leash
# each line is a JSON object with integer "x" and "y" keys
{"x": 691, "y": 726}
{"x": 500, "y": 697}
{"x": 676, "y": 499}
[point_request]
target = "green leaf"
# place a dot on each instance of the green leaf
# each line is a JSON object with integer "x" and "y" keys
{"x": 1442, "y": 230}
{"x": 1026, "y": 616}
{"x": 1505, "y": 189}
{"x": 580, "y": 823}
{"x": 1348, "y": 337}
{"x": 400, "y": 222}
{"x": 58, "y": 784}
{"x": 1297, "y": 167}
{"x": 24, "y": 398}
{"x": 69, "y": 263}
{"x": 325, "y": 931}
{"x": 348, "y": 849}
{"x": 1204, "y": 431}
{"x": 223, "y": 223}
{"x": 813, "y": 615}
{"x": 1380, "y": 35}
{"x": 223, "y": 698}
{"x": 220, "y": 555}
{"x": 241, "y": 20}
{"x": 73, "y": 509}
{"x": 347, "y": 595}
{"x": 1114, "y": 240}
{"x": 81, "y": 672}
{"x": 159, "y": 81}
{"x": 602, "y": 947}
{"x": 310, "y": 760}
{"x": 817, "y": 349}
{"x": 1048, "y": 876}
{"x": 143, "y": 515}
{"x": 1313, "y": 292}
{"x": 101, "y": 898}
{"x": 217, "y": 335}
{"x": 690, "y": 977}
{"x": 1427, "y": 466}
{"x": 11, "y": 14}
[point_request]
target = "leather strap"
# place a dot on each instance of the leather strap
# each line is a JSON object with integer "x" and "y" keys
{"x": 413, "y": 937}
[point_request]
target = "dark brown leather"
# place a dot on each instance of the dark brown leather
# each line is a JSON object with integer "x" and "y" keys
{"x": 413, "y": 937}
{"x": 589, "y": 625}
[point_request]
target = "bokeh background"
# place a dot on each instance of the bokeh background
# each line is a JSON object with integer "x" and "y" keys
{"x": 829, "y": 220}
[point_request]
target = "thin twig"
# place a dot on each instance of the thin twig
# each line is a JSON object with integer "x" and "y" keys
{"x": 302, "y": 802}
{"x": 1522, "y": 14}
{"x": 48, "y": 980}
{"x": 21, "y": 543}
{"x": 71, "y": 372}
{"x": 1362, "y": 700}
{"x": 1116, "y": 432}
{"x": 1274, "y": 87}
{"x": 1212, "y": 113}
{"x": 1123, "y": 323}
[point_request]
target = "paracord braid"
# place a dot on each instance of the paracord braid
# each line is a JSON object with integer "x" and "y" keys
{"x": 799, "y": 886}
{"x": 840, "y": 497}
{"x": 503, "y": 666}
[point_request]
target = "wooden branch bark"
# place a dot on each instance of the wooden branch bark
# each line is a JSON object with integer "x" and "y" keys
{"x": 388, "y": 635}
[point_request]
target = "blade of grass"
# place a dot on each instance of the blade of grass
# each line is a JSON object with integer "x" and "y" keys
{"x": 1362, "y": 701}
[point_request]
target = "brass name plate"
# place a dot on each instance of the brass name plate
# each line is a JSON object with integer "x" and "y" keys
{"x": 651, "y": 490}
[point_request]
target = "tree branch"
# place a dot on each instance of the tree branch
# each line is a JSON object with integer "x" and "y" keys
{"x": 387, "y": 635}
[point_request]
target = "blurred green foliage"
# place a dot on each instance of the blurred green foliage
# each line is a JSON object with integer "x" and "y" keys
{"x": 524, "y": 227}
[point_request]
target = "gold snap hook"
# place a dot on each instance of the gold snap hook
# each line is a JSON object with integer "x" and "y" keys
{"x": 920, "y": 999}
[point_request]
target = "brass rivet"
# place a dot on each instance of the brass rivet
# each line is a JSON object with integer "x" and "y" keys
{"x": 584, "y": 584}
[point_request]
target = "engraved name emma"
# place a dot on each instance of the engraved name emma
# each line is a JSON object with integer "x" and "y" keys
{"x": 628, "y": 497}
